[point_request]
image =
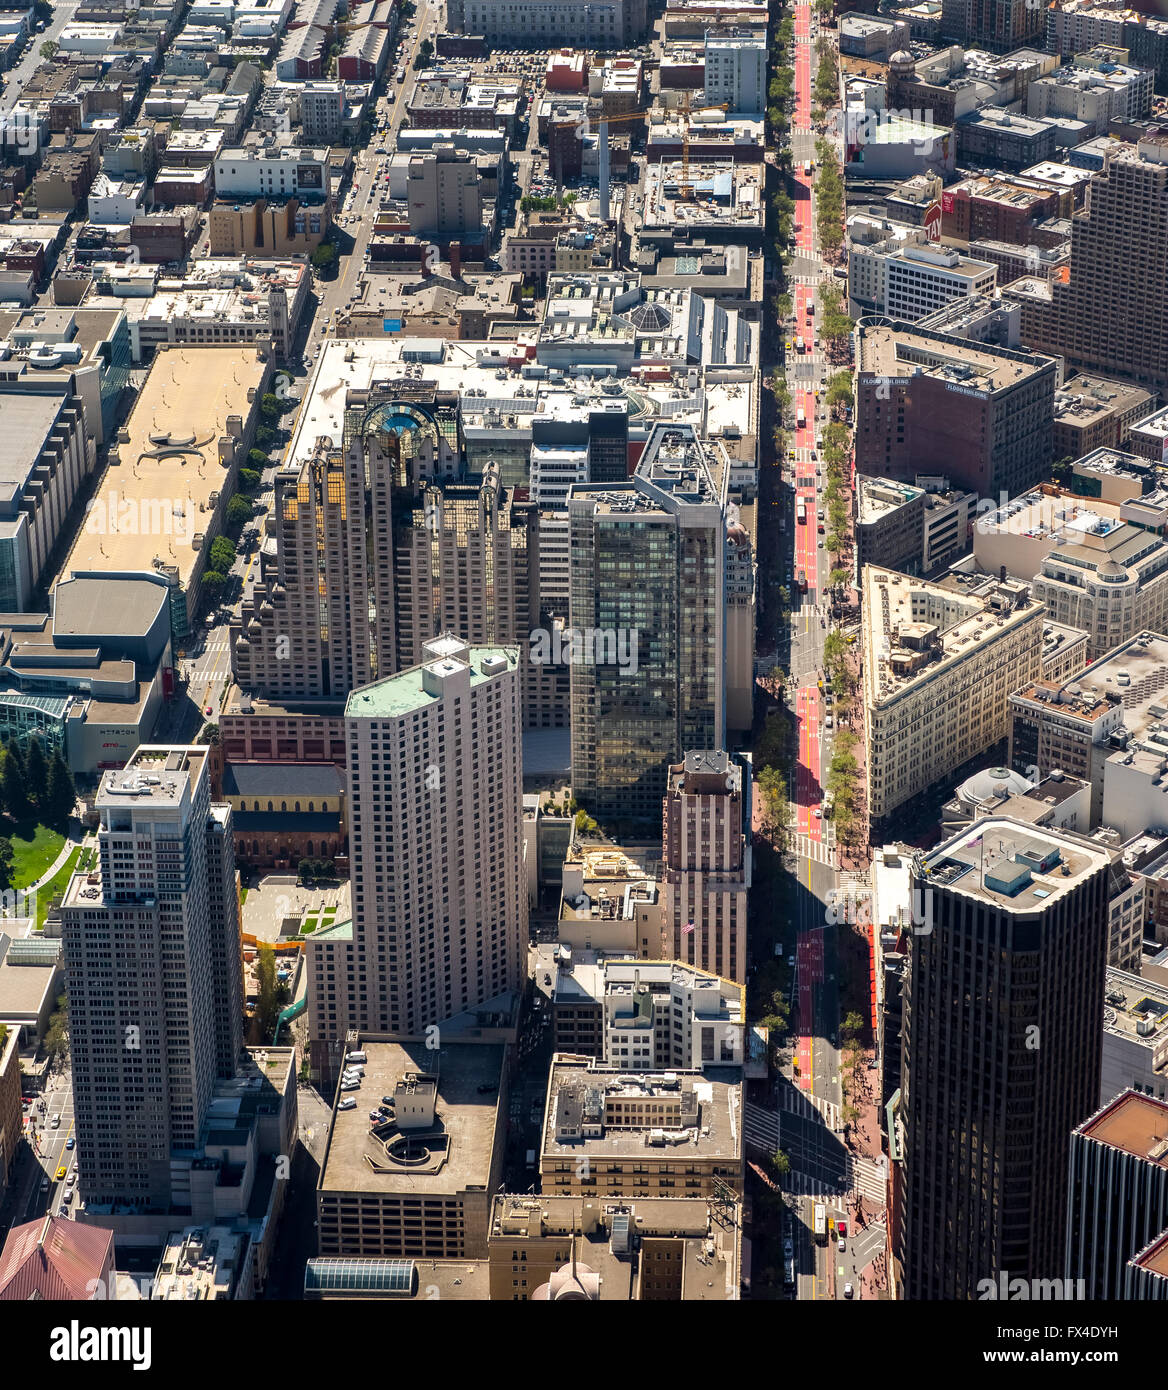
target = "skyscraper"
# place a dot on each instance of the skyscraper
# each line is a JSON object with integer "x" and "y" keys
{"x": 647, "y": 609}
{"x": 1002, "y": 1031}
{"x": 435, "y": 826}
{"x": 706, "y": 858}
{"x": 320, "y": 620}
{"x": 467, "y": 561}
{"x": 1110, "y": 310}
{"x": 152, "y": 960}
{"x": 381, "y": 545}
{"x": 1117, "y": 1202}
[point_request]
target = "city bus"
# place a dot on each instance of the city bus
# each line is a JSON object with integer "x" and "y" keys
{"x": 820, "y": 1223}
{"x": 800, "y": 511}
{"x": 807, "y": 168}
{"x": 800, "y": 418}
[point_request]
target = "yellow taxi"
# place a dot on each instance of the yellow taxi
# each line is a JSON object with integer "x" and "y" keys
{"x": 790, "y": 453}
{"x": 61, "y": 1172}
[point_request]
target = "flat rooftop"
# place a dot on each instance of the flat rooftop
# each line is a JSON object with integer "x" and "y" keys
{"x": 1008, "y": 122}
{"x": 96, "y": 606}
{"x": 406, "y": 692}
{"x": 1086, "y": 396}
{"x": 721, "y": 193}
{"x": 23, "y": 983}
{"x": 167, "y": 463}
{"x": 153, "y": 776}
{"x": 465, "y": 1118}
{"x": 1135, "y": 1123}
{"x": 1133, "y": 1003}
{"x": 1154, "y": 426}
{"x": 897, "y": 350}
{"x": 879, "y": 496}
{"x": 912, "y": 629}
{"x": 999, "y": 190}
{"x": 29, "y": 420}
{"x": 1135, "y": 673}
{"x": 713, "y": 1097}
{"x": 495, "y": 384}
{"x": 1016, "y": 867}
{"x": 580, "y": 974}
{"x": 706, "y": 1276}
{"x": 1154, "y": 1257}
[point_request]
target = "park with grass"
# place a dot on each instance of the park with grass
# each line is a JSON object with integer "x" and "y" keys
{"x": 37, "y": 798}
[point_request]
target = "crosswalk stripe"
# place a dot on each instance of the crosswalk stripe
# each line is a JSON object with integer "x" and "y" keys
{"x": 808, "y": 848}
{"x": 867, "y": 1177}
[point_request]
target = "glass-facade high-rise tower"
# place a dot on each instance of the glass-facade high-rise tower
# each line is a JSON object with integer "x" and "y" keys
{"x": 646, "y": 643}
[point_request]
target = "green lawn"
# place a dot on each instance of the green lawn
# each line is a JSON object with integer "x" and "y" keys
{"x": 55, "y": 886}
{"x": 32, "y": 856}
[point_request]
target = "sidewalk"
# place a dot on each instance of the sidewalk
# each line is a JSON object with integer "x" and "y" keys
{"x": 864, "y": 1143}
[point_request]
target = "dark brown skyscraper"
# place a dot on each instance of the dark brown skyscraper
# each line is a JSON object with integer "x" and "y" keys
{"x": 1003, "y": 1019}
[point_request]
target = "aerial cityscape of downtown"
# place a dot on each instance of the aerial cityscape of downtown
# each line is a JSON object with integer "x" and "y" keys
{"x": 584, "y": 661}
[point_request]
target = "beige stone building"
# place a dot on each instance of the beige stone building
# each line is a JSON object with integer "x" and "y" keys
{"x": 939, "y": 668}
{"x": 258, "y": 227}
{"x": 675, "y": 1249}
{"x": 435, "y": 832}
{"x": 641, "y": 1134}
{"x": 441, "y": 556}
{"x": 611, "y": 899}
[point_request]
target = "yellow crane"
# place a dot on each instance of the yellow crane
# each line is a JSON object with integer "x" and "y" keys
{"x": 687, "y": 110}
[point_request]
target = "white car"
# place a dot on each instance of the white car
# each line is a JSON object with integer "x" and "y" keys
{"x": 348, "y": 1103}
{"x": 351, "y": 1086}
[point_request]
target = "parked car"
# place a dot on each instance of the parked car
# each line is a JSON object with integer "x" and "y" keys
{"x": 347, "y": 1103}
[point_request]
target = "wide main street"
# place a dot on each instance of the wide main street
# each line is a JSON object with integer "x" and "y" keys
{"x": 809, "y": 1103}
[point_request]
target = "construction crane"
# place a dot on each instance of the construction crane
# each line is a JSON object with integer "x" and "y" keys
{"x": 603, "y": 155}
{"x": 687, "y": 110}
